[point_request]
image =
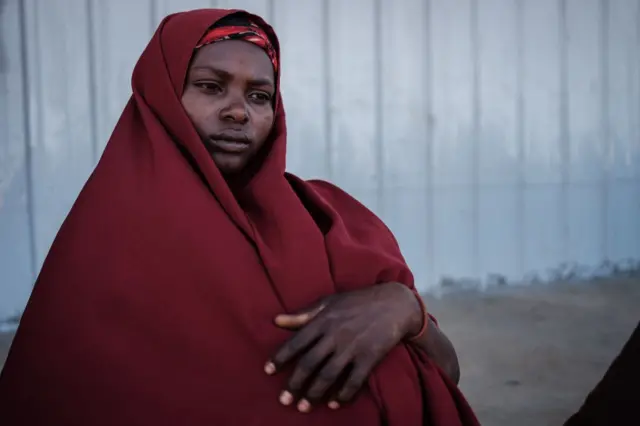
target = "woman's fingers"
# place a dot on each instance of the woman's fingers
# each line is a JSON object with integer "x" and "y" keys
{"x": 299, "y": 320}
{"x": 306, "y": 368}
{"x": 361, "y": 370}
{"x": 299, "y": 342}
{"x": 328, "y": 375}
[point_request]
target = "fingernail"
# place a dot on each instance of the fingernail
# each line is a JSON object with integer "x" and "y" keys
{"x": 286, "y": 398}
{"x": 334, "y": 405}
{"x": 304, "y": 406}
{"x": 270, "y": 368}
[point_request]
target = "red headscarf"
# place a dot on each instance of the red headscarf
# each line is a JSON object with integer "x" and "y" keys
{"x": 155, "y": 305}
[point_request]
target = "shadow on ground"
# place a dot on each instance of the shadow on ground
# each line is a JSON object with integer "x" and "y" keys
{"x": 530, "y": 355}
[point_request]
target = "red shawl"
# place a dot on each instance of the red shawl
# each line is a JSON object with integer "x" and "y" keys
{"x": 155, "y": 305}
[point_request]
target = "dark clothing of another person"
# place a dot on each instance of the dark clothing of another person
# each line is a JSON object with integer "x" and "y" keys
{"x": 616, "y": 399}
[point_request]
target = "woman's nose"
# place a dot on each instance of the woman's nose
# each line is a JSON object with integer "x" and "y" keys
{"x": 235, "y": 111}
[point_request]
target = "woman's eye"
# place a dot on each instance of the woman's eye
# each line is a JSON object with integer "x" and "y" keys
{"x": 260, "y": 97}
{"x": 209, "y": 86}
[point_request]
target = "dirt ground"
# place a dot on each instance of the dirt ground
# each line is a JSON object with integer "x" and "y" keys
{"x": 530, "y": 355}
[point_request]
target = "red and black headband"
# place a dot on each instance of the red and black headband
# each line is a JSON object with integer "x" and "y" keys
{"x": 251, "y": 33}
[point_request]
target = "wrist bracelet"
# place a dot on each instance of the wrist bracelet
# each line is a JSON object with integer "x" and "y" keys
{"x": 425, "y": 317}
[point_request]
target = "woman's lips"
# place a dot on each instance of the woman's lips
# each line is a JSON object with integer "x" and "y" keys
{"x": 229, "y": 146}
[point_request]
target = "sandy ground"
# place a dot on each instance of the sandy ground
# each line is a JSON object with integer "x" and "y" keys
{"x": 530, "y": 355}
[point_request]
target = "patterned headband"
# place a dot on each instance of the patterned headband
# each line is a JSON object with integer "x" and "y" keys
{"x": 253, "y": 34}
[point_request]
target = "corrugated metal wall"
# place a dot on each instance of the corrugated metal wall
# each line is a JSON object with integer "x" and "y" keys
{"x": 493, "y": 136}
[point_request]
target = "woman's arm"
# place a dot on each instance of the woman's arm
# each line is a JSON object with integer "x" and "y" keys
{"x": 440, "y": 349}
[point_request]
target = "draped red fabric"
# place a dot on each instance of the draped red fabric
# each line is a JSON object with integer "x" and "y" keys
{"x": 155, "y": 305}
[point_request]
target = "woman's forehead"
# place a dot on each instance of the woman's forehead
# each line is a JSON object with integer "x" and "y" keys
{"x": 234, "y": 56}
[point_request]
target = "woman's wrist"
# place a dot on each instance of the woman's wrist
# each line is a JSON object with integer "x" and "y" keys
{"x": 417, "y": 318}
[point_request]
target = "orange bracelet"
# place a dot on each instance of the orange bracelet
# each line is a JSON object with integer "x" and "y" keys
{"x": 425, "y": 318}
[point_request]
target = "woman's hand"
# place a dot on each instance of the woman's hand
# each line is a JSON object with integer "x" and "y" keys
{"x": 340, "y": 341}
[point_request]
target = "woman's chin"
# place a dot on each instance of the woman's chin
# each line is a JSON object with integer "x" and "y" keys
{"x": 229, "y": 163}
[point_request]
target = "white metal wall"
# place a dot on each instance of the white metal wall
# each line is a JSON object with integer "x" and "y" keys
{"x": 499, "y": 139}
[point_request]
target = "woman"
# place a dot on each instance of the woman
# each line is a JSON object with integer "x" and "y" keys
{"x": 196, "y": 283}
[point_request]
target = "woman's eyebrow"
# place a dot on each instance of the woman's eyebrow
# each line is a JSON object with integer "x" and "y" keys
{"x": 225, "y": 75}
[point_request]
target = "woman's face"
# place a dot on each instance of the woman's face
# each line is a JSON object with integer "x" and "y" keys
{"x": 228, "y": 95}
